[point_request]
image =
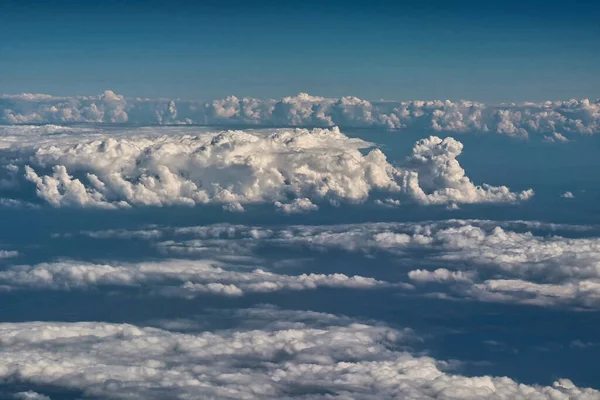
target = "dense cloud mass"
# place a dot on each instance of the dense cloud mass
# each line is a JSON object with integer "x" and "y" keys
{"x": 292, "y": 168}
{"x": 311, "y": 356}
{"x": 552, "y": 119}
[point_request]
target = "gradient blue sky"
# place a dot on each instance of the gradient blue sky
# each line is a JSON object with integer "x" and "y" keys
{"x": 490, "y": 51}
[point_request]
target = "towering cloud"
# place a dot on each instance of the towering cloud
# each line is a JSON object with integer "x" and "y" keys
{"x": 292, "y": 168}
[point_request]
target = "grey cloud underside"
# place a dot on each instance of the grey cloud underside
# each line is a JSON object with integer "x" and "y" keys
{"x": 290, "y": 168}
{"x": 480, "y": 260}
{"x": 311, "y": 356}
{"x": 551, "y": 118}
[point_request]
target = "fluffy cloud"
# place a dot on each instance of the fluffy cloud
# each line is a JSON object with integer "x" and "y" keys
{"x": 440, "y": 275}
{"x": 434, "y": 176}
{"x": 8, "y": 254}
{"x": 482, "y": 260}
{"x": 297, "y": 206}
{"x": 317, "y": 356}
{"x": 175, "y": 277}
{"x": 30, "y": 395}
{"x": 479, "y": 260}
{"x": 292, "y": 168}
{"x": 584, "y": 293}
{"x": 552, "y": 119}
{"x": 567, "y": 195}
{"x": 25, "y": 109}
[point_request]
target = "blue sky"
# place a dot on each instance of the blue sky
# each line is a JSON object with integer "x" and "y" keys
{"x": 486, "y": 51}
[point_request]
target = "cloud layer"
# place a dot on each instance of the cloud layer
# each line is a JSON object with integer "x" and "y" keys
{"x": 291, "y": 168}
{"x": 479, "y": 260}
{"x": 317, "y": 356}
{"x": 172, "y": 277}
{"x": 551, "y": 118}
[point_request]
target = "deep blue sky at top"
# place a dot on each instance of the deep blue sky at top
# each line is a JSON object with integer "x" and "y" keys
{"x": 491, "y": 51}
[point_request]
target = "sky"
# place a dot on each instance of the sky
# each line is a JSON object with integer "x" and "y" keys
{"x": 493, "y": 51}
{"x": 209, "y": 200}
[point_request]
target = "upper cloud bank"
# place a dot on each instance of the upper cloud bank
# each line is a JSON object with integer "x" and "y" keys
{"x": 551, "y": 118}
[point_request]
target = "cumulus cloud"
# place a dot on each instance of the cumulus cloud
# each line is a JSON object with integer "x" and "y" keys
{"x": 434, "y": 176}
{"x": 337, "y": 357}
{"x": 30, "y": 395}
{"x": 29, "y": 108}
{"x": 441, "y": 275}
{"x": 297, "y": 206}
{"x": 556, "y": 137}
{"x": 172, "y": 277}
{"x": 551, "y": 119}
{"x": 535, "y": 270}
{"x": 294, "y": 169}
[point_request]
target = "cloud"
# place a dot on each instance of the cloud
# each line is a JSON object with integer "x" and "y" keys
{"x": 30, "y": 395}
{"x": 8, "y": 254}
{"x": 476, "y": 260}
{"x": 434, "y": 176}
{"x": 297, "y": 206}
{"x": 579, "y": 293}
{"x": 318, "y": 357}
{"x": 551, "y": 119}
{"x": 441, "y": 275}
{"x": 172, "y": 277}
{"x": 29, "y": 108}
{"x": 480, "y": 260}
{"x": 294, "y": 169}
{"x": 567, "y": 195}
{"x": 556, "y": 137}
{"x": 14, "y": 203}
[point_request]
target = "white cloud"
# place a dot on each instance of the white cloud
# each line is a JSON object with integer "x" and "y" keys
{"x": 312, "y": 356}
{"x": 172, "y": 277}
{"x": 292, "y": 168}
{"x": 552, "y": 119}
{"x": 556, "y": 137}
{"x": 475, "y": 253}
{"x": 470, "y": 257}
{"x": 30, "y": 395}
{"x": 108, "y": 108}
{"x": 567, "y": 195}
{"x": 579, "y": 293}
{"x": 441, "y": 275}
{"x": 297, "y": 206}
{"x": 388, "y": 203}
{"x": 14, "y": 203}
{"x": 8, "y": 254}
{"x": 434, "y": 176}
